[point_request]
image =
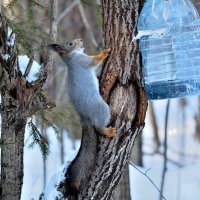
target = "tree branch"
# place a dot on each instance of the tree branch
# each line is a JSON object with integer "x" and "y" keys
{"x": 168, "y": 159}
{"x": 41, "y": 106}
{"x": 66, "y": 11}
{"x": 86, "y": 24}
{"x": 145, "y": 174}
{"x": 29, "y": 66}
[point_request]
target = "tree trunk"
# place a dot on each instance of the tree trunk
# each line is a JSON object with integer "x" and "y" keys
{"x": 1, "y": 3}
{"x": 122, "y": 86}
{"x": 53, "y": 30}
{"x": 136, "y": 154}
{"x": 17, "y": 105}
{"x": 12, "y": 127}
{"x": 11, "y": 157}
{"x": 122, "y": 191}
{"x": 197, "y": 4}
{"x": 197, "y": 119}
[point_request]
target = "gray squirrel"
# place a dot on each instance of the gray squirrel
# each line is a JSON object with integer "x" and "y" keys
{"x": 83, "y": 89}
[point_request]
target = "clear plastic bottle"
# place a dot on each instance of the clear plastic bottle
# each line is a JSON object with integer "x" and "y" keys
{"x": 171, "y": 62}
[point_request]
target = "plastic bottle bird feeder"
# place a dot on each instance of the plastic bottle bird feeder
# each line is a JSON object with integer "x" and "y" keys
{"x": 170, "y": 48}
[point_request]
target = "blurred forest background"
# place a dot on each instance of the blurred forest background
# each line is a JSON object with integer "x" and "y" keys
{"x": 30, "y": 20}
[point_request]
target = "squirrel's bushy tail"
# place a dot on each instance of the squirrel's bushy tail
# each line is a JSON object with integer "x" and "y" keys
{"x": 78, "y": 173}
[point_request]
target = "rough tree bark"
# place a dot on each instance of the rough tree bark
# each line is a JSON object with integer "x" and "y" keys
{"x": 12, "y": 130}
{"x": 122, "y": 191}
{"x": 122, "y": 87}
{"x": 17, "y": 104}
{"x": 136, "y": 154}
{"x": 11, "y": 153}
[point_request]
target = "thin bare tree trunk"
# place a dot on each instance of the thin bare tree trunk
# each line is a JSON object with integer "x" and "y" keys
{"x": 50, "y": 86}
{"x": 53, "y": 30}
{"x": 136, "y": 155}
{"x": 197, "y": 119}
{"x": 197, "y": 4}
{"x": 86, "y": 24}
{"x": 1, "y": 3}
{"x": 155, "y": 127}
{"x": 165, "y": 152}
{"x": 122, "y": 86}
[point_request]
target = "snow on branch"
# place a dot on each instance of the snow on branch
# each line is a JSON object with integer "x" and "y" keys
{"x": 11, "y": 37}
{"x": 29, "y": 68}
{"x": 25, "y": 76}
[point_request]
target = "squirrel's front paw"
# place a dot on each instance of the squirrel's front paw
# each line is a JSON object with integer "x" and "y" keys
{"x": 107, "y": 51}
{"x": 100, "y": 57}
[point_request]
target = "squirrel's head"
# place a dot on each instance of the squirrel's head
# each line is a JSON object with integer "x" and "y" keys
{"x": 68, "y": 48}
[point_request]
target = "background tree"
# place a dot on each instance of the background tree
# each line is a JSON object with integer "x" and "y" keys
{"x": 19, "y": 101}
{"x": 197, "y": 119}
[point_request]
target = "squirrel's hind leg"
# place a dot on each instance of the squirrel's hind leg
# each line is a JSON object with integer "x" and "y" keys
{"x": 109, "y": 132}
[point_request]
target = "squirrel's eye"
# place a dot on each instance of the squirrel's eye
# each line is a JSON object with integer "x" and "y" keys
{"x": 70, "y": 44}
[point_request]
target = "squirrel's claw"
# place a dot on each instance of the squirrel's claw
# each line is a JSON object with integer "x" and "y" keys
{"x": 107, "y": 51}
{"x": 111, "y": 131}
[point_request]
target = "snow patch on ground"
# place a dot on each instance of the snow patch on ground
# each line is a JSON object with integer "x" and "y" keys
{"x": 51, "y": 192}
{"x": 33, "y": 168}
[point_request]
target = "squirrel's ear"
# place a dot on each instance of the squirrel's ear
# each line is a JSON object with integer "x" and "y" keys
{"x": 56, "y": 47}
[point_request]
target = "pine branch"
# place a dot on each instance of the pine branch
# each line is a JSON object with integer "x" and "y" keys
{"x": 48, "y": 123}
{"x": 38, "y": 139}
{"x": 36, "y": 108}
